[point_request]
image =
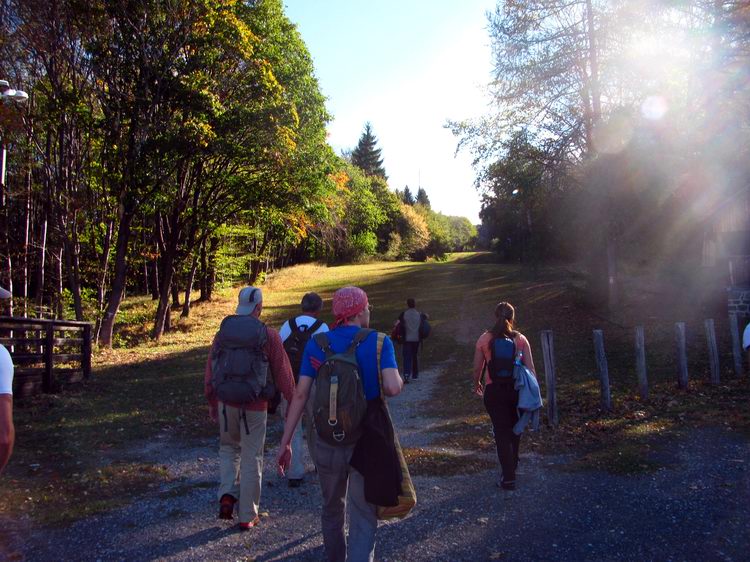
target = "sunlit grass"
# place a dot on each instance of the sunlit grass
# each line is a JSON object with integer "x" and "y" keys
{"x": 148, "y": 388}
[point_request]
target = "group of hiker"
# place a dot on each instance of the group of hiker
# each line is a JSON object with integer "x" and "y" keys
{"x": 335, "y": 380}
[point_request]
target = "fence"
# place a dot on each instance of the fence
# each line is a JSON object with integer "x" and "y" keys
{"x": 640, "y": 363}
{"x": 43, "y": 350}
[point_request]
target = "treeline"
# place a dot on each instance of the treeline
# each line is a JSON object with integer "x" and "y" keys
{"x": 621, "y": 132}
{"x": 166, "y": 146}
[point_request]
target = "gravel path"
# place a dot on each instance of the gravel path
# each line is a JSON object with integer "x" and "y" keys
{"x": 695, "y": 509}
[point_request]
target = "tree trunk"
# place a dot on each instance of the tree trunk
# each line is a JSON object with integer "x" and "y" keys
{"x": 175, "y": 292}
{"x": 118, "y": 280}
{"x": 154, "y": 272}
{"x": 189, "y": 286}
{"x": 203, "y": 274}
{"x": 41, "y": 267}
{"x": 211, "y": 274}
{"x": 102, "y": 280}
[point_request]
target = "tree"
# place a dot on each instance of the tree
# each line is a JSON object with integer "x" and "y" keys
{"x": 407, "y": 197}
{"x": 422, "y": 198}
{"x": 366, "y": 156}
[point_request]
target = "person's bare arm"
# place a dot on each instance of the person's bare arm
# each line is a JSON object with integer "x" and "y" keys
{"x": 7, "y": 431}
{"x": 392, "y": 383}
{"x": 293, "y": 414}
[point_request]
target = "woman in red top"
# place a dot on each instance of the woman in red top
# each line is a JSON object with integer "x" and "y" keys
{"x": 497, "y": 388}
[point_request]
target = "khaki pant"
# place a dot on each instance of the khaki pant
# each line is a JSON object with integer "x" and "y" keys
{"x": 242, "y": 435}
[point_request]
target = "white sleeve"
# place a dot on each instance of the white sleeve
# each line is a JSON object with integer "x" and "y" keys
{"x": 285, "y": 331}
{"x": 746, "y": 338}
{"x": 6, "y": 371}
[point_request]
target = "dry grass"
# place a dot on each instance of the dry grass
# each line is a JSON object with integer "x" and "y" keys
{"x": 142, "y": 388}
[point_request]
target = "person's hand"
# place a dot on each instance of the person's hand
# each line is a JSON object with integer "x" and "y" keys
{"x": 478, "y": 388}
{"x": 284, "y": 459}
{"x": 213, "y": 413}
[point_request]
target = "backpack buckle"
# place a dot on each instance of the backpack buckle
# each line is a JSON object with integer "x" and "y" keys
{"x": 338, "y": 435}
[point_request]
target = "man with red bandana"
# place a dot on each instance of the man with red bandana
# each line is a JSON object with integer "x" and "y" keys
{"x": 339, "y": 482}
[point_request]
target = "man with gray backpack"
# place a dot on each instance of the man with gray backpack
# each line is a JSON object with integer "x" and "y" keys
{"x": 345, "y": 364}
{"x": 295, "y": 333}
{"x": 245, "y": 366}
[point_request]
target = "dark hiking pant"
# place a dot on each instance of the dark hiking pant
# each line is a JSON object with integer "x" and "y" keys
{"x": 501, "y": 402}
{"x": 411, "y": 359}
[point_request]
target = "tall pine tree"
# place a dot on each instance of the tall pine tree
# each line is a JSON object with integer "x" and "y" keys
{"x": 407, "y": 197}
{"x": 366, "y": 156}
{"x": 422, "y": 197}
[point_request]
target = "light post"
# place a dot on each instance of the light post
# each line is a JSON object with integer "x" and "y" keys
{"x": 18, "y": 96}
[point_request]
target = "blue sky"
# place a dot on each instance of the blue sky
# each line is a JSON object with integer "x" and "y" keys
{"x": 406, "y": 67}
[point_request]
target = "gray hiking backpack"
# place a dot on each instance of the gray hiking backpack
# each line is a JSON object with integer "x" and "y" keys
{"x": 339, "y": 405}
{"x": 239, "y": 365}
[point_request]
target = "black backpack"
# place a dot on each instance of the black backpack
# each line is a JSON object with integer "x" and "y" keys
{"x": 239, "y": 365}
{"x": 503, "y": 352}
{"x": 295, "y": 344}
{"x": 424, "y": 327}
{"x": 339, "y": 405}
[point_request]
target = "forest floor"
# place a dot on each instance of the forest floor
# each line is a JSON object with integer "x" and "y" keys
{"x": 124, "y": 467}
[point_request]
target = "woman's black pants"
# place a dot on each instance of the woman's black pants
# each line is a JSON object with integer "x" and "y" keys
{"x": 501, "y": 402}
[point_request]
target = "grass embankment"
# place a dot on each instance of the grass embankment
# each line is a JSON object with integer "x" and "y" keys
{"x": 69, "y": 458}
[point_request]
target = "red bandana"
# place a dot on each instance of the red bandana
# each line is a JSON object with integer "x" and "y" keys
{"x": 348, "y": 302}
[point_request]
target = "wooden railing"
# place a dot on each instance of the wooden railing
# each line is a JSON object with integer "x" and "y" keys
{"x": 43, "y": 352}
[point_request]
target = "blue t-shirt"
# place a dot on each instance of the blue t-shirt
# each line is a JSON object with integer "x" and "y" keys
{"x": 341, "y": 338}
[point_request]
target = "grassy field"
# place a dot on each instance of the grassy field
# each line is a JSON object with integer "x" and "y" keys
{"x": 69, "y": 445}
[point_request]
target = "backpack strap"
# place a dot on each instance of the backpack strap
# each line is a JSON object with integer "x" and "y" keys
{"x": 293, "y": 324}
{"x": 315, "y": 326}
{"x": 359, "y": 337}
{"x": 324, "y": 343}
{"x": 381, "y": 339}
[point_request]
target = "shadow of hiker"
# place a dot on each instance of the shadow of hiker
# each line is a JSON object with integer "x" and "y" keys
{"x": 280, "y": 554}
{"x": 177, "y": 545}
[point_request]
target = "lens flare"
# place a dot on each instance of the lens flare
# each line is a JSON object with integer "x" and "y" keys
{"x": 654, "y": 108}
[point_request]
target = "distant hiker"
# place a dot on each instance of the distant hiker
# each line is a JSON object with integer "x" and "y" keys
{"x": 494, "y": 355}
{"x": 295, "y": 333}
{"x": 746, "y": 343}
{"x": 7, "y": 430}
{"x": 246, "y": 364}
{"x": 345, "y": 363}
{"x": 413, "y": 327}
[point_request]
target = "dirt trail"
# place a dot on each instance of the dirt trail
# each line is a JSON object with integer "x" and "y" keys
{"x": 698, "y": 506}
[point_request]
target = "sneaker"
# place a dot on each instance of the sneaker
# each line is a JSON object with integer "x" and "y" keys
{"x": 254, "y": 523}
{"x": 406, "y": 379}
{"x": 227, "y": 506}
{"x": 506, "y": 484}
{"x": 415, "y": 377}
{"x": 294, "y": 482}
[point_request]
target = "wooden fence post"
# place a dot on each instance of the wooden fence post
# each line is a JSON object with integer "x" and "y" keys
{"x": 49, "y": 344}
{"x": 682, "y": 369}
{"x": 548, "y": 351}
{"x": 734, "y": 327}
{"x": 640, "y": 361}
{"x": 86, "y": 351}
{"x": 601, "y": 363}
{"x": 713, "y": 351}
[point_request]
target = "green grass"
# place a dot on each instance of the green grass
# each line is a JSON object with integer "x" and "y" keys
{"x": 145, "y": 388}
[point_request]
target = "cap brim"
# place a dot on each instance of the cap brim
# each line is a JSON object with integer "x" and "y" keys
{"x": 4, "y": 293}
{"x": 245, "y": 309}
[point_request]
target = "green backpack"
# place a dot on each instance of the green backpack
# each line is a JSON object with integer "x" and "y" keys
{"x": 339, "y": 405}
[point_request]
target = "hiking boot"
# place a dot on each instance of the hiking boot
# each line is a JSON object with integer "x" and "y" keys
{"x": 246, "y": 526}
{"x": 294, "y": 482}
{"x": 227, "y": 506}
{"x": 414, "y": 377}
{"x": 506, "y": 484}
